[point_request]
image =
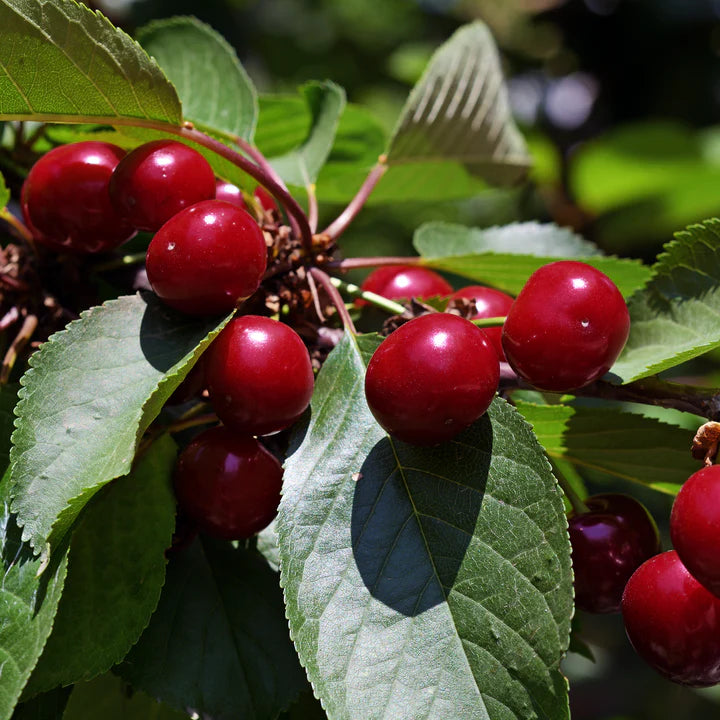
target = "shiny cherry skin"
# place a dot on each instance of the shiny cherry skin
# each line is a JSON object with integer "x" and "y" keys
{"x": 488, "y": 303}
{"x": 431, "y": 378}
{"x": 66, "y": 203}
{"x": 229, "y": 193}
{"x": 228, "y": 484}
{"x": 402, "y": 282}
{"x": 266, "y": 200}
{"x": 608, "y": 544}
{"x": 566, "y": 328}
{"x": 673, "y": 622}
{"x": 159, "y": 179}
{"x": 207, "y": 258}
{"x": 695, "y": 526}
{"x": 259, "y": 375}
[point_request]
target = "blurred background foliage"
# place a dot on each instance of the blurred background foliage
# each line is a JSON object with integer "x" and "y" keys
{"x": 619, "y": 101}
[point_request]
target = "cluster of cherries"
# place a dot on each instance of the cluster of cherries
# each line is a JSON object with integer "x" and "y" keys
{"x": 207, "y": 254}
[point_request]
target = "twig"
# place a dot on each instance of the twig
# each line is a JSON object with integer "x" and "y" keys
{"x": 325, "y": 280}
{"x": 338, "y": 226}
{"x": 21, "y": 339}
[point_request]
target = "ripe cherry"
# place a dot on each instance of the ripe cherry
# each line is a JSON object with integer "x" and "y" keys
{"x": 566, "y": 327}
{"x": 401, "y": 282}
{"x": 229, "y": 193}
{"x": 488, "y": 303}
{"x": 259, "y": 375}
{"x": 673, "y": 622}
{"x": 608, "y": 544}
{"x": 207, "y": 258}
{"x": 65, "y": 199}
{"x": 228, "y": 484}
{"x": 695, "y": 526}
{"x": 159, "y": 179}
{"x": 266, "y": 200}
{"x": 431, "y": 378}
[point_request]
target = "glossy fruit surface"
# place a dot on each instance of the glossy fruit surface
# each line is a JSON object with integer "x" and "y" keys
{"x": 567, "y": 326}
{"x": 608, "y": 544}
{"x": 65, "y": 199}
{"x": 401, "y": 282}
{"x": 695, "y": 526}
{"x": 228, "y": 484}
{"x": 229, "y": 193}
{"x": 259, "y": 375}
{"x": 488, "y": 303}
{"x": 159, "y": 179}
{"x": 431, "y": 378}
{"x": 673, "y": 622}
{"x": 207, "y": 258}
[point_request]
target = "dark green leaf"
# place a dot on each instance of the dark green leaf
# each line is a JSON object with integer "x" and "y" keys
{"x": 621, "y": 444}
{"x": 505, "y": 257}
{"x": 677, "y": 316}
{"x": 109, "y": 698}
{"x": 4, "y": 193}
{"x": 218, "y": 643}
{"x": 116, "y": 569}
{"x": 60, "y": 60}
{"x": 215, "y": 90}
{"x": 48, "y": 706}
{"x": 459, "y": 111}
{"x": 302, "y": 165}
{"x": 88, "y": 396}
{"x": 423, "y": 582}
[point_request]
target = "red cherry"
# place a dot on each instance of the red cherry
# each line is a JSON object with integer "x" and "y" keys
{"x": 431, "y": 378}
{"x": 266, "y": 200}
{"x": 259, "y": 375}
{"x": 207, "y": 258}
{"x": 401, "y": 282}
{"x": 608, "y": 544}
{"x": 567, "y": 326}
{"x": 157, "y": 180}
{"x": 695, "y": 526}
{"x": 228, "y": 484}
{"x": 673, "y": 622}
{"x": 65, "y": 199}
{"x": 488, "y": 303}
{"x": 229, "y": 193}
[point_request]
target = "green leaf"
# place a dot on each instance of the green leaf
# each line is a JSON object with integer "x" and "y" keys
{"x": 505, "y": 257}
{"x": 301, "y": 166}
{"x": 677, "y": 316}
{"x": 109, "y": 698}
{"x": 60, "y": 60}
{"x": 459, "y": 111}
{"x": 4, "y": 193}
{"x": 90, "y": 393}
{"x": 48, "y": 706}
{"x": 423, "y": 582}
{"x": 116, "y": 562}
{"x": 218, "y": 643}
{"x": 624, "y": 445}
{"x": 219, "y": 100}
{"x": 267, "y": 545}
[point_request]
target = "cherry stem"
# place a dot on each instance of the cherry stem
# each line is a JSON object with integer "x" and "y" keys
{"x": 577, "y": 503}
{"x": 377, "y": 300}
{"x": 260, "y": 174}
{"x": 21, "y": 339}
{"x": 365, "y": 262}
{"x": 18, "y": 227}
{"x": 338, "y": 226}
{"x": 327, "y": 283}
{"x": 190, "y": 422}
{"x": 123, "y": 261}
{"x": 489, "y": 322}
{"x": 312, "y": 206}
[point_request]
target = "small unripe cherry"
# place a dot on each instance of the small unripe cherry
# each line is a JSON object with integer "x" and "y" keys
{"x": 228, "y": 484}
{"x": 431, "y": 378}
{"x": 207, "y": 258}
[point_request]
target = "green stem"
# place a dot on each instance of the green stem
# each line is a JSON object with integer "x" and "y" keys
{"x": 578, "y": 504}
{"x": 489, "y": 322}
{"x": 377, "y": 300}
{"x": 331, "y": 289}
{"x": 120, "y": 262}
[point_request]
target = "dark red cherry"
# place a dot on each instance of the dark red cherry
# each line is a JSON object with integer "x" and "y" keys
{"x": 266, "y": 200}
{"x": 402, "y": 282}
{"x": 673, "y": 622}
{"x": 431, "y": 378}
{"x": 488, "y": 303}
{"x": 567, "y": 326}
{"x": 65, "y": 199}
{"x": 695, "y": 526}
{"x": 259, "y": 375}
{"x": 229, "y": 193}
{"x": 159, "y": 179}
{"x": 228, "y": 484}
{"x": 608, "y": 544}
{"x": 207, "y": 258}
